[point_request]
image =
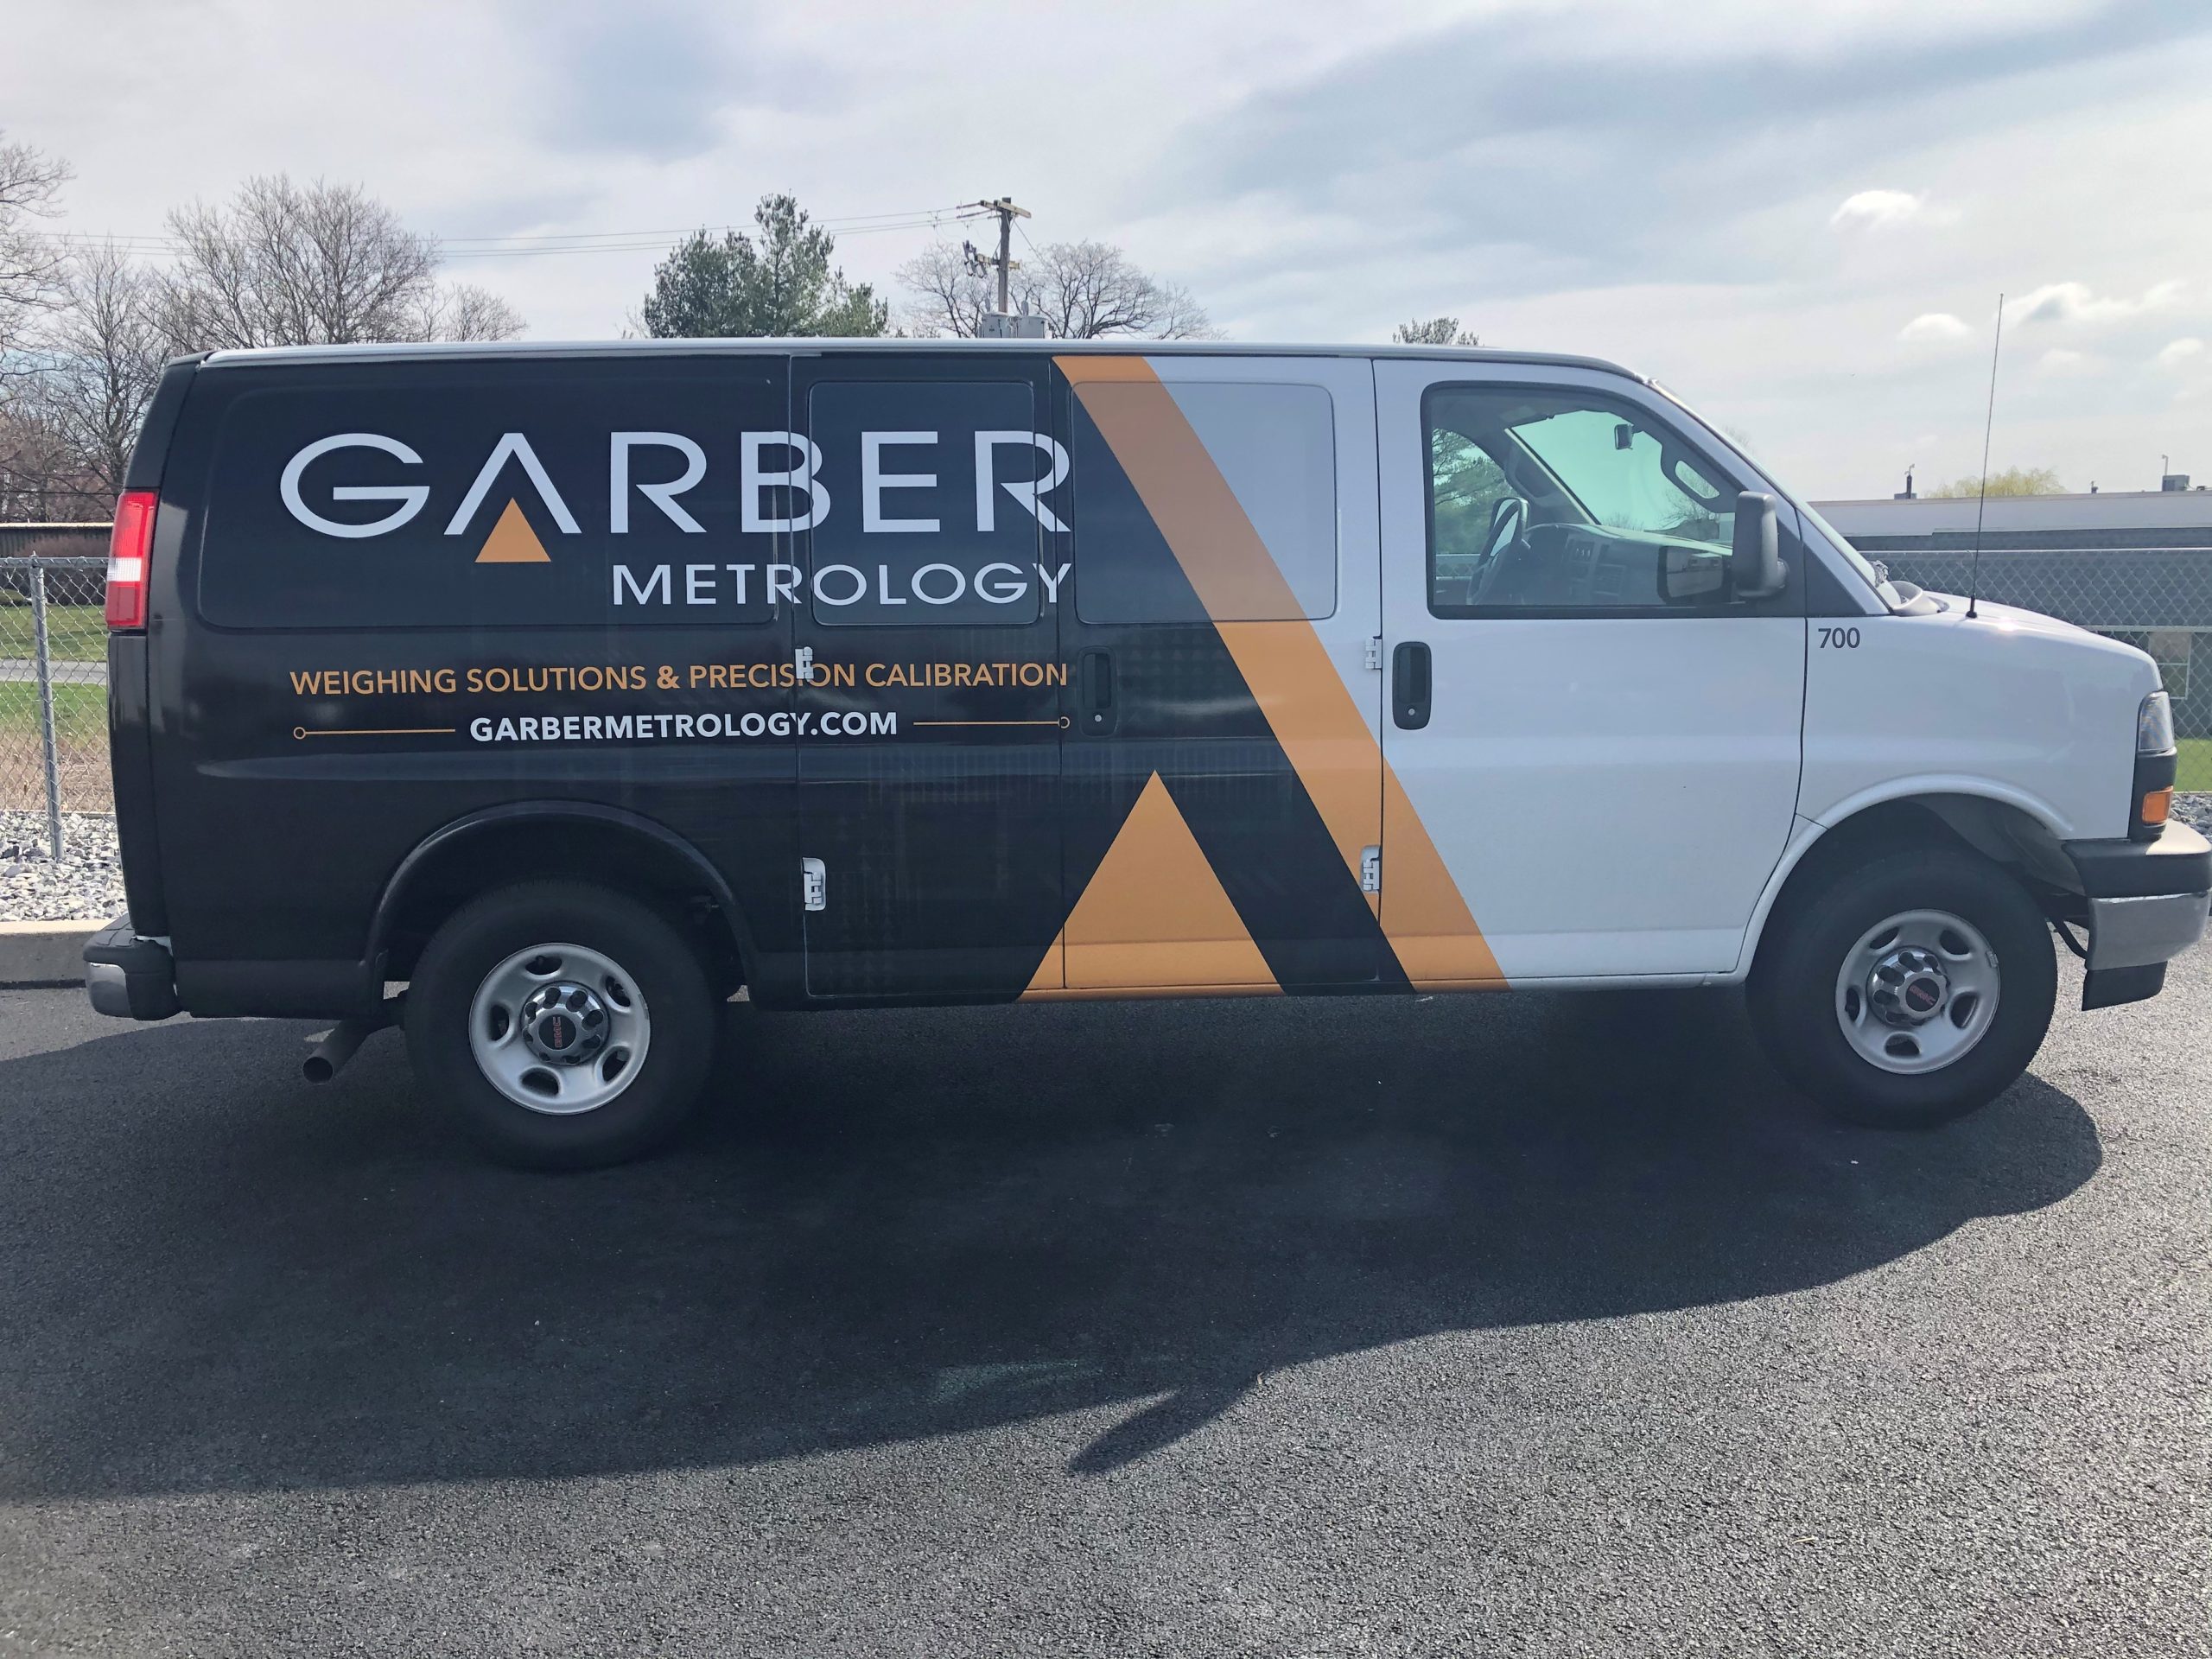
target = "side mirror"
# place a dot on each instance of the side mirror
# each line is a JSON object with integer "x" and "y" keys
{"x": 1755, "y": 568}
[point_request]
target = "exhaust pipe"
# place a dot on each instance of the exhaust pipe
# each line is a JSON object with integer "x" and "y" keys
{"x": 334, "y": 1047}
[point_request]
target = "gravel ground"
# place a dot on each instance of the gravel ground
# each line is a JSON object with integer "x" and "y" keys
{"x": 1501, "y": 1325}
{"x": 86, "y": 884}
{"x": 2195, "y": 810}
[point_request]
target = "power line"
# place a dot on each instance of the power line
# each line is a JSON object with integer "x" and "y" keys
{"x": 539, "y": 244}
{"x": 857, "y": 224}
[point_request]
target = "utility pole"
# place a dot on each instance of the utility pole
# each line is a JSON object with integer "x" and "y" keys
{"x": 1006, "y": 212}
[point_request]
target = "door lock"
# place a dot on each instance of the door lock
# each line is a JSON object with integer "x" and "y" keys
{"x": 1095, "y": 692}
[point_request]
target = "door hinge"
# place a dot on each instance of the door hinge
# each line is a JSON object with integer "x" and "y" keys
{"x": 802, "y": 664}
{"x": 1370, "y": 870}
{"x": 1375, "y": 654}
{"x": 814, "y": 883}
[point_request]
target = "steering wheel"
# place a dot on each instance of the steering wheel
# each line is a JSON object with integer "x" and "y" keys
{"x": 1508, "y": 527}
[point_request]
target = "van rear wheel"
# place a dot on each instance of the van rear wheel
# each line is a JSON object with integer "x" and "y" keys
{"x": 1910, "y": 991}
{"x": 561, "y": 1026}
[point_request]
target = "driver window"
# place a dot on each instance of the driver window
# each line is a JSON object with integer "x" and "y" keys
{"x": 1543, "y": 501}
{"x": 1464, "y": 487}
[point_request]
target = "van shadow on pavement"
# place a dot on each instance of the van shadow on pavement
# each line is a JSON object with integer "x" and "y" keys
{"x": 903, "y": 1224}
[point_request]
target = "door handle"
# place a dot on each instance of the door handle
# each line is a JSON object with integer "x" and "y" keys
{"x": 1097, "y": 707}
{"x": 1409, "y": 685}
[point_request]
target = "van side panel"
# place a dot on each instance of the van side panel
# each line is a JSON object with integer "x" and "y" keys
{"x": 1223, "y": 781}
{"x": 930, "y": 766}
{"x": 351, "y": 651}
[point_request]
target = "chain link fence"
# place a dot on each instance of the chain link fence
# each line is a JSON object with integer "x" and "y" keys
{"x": 53, "y": 695}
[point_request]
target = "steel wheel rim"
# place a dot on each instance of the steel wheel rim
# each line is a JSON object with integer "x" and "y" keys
{"x": 559, "y": 1029}
{"x": 1918, "y": 992}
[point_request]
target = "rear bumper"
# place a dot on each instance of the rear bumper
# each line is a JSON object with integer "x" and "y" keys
{"x": 2147, "y": 902}
{"x": 130, "y": 978}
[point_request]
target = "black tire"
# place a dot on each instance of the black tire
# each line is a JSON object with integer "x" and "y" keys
{"x": 660, "y": 1095}
{"x": 1793, "y": 988}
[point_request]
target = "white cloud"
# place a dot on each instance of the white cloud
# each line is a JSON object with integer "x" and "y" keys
{"x": 1934, "y": 329}
{"x": 2058, "y": 363}
{"x": 1882, "y": 210}
{"x": 2177, "y": 354}
{"x": 2077, "y": 303}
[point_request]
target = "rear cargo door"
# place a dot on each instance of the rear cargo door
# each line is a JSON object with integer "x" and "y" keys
{"x": 929, "y": 733}
{"x": 413, "y": 591}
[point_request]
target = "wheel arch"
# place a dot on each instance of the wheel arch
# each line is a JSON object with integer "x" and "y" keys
{"x": 610, "y": 846}
{"x": 2013, "y": 830}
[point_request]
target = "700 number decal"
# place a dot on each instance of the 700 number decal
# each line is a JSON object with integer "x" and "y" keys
{"x": 1839, "y": 639}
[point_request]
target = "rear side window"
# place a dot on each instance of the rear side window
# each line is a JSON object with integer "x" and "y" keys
{"x": 481, "y": 495}
{"x": 1272, "y": 445}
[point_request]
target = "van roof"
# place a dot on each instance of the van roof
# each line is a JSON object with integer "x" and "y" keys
{"x": 814, "y": 344}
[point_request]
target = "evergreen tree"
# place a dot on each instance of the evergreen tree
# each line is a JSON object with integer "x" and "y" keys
{"x": 783, "y": 284}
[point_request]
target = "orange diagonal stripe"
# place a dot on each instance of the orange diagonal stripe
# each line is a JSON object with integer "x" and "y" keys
{"x": 1289, "y": 671}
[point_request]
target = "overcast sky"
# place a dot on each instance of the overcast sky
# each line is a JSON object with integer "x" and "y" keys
{"x": 1797, "y": 217}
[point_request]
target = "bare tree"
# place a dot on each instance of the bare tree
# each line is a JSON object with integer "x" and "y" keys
{"x": 948, "y": 293}
{"x": 41, "y": 478}
{"x": 30, "y": 262}
{"x": 1084, "y": 290}
{"x": 464, "y": 311}
{"x": 1436, "y": 331}
{"x": 100, "y": 359}
{"x": 289, "y": 264}
{"x": 1089, "y": 289}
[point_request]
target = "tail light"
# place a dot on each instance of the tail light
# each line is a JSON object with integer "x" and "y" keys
{"x": 129, "y": 558}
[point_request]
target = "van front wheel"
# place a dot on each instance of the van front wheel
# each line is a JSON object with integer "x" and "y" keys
{"x": 1912, "y": 990}
{"x": 561, "y": 1025}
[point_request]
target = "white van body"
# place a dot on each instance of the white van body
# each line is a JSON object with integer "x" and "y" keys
{"x": 912, "y": 671}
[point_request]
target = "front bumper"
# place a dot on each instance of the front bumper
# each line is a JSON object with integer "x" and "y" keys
{"x": 2147, "y": 902}
{"x": 2136, "y": 933}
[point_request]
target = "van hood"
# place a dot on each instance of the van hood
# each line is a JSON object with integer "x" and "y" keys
{"x": 2048, "y": 632}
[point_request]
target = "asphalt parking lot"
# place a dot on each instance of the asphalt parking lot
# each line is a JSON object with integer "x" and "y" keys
{"x": 1516, "y": 1324}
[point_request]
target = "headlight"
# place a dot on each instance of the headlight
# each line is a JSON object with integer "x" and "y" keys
{"x": 2154, "y": 725}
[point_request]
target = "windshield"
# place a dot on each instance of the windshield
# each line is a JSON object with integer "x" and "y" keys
{"x": 1858, "y": 560}
{"x": 1625, "y": 477}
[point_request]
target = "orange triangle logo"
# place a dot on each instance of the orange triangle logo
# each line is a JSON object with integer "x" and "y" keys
{"x": 1155, "y": 913}
{"x": 512, "y": 541}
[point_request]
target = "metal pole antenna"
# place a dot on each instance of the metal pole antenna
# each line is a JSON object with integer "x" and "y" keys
{"x": 1988, "y": 424}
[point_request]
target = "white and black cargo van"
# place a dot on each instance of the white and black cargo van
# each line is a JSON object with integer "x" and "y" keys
{"x": 573, "y": 689}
